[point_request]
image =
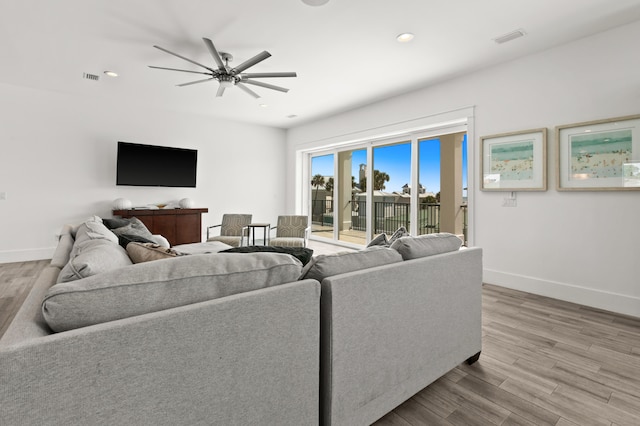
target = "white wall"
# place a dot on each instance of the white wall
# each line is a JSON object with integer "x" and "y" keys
{"x": 58, "y": 164}
{"x": 576, "y": 246}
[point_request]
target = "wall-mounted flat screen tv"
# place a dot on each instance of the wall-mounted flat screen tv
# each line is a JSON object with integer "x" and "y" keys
{"x": 150, "y": 165}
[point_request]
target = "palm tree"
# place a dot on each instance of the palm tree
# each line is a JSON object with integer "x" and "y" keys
{"x": 317, "y": 181}
{"x": 329, "y": 185}
{"x": 379, "y": 178}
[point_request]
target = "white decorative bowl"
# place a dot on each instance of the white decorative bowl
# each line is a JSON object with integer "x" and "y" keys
{"x": 186, "y": 203}
{"x": 121, "y": 204}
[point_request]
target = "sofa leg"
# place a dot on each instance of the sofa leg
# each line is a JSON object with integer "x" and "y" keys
{"x": 473, "y": 358}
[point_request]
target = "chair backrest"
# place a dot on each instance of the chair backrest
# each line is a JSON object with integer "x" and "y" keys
{"x": 292, "y": 226}
{"x": 232, "y": 224}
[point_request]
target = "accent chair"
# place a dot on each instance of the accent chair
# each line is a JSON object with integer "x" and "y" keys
{"x": 233, "y": 229}
{"x": 291, "y": 231}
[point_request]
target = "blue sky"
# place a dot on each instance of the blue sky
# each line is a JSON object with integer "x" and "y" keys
{"x": 395, "y": 160}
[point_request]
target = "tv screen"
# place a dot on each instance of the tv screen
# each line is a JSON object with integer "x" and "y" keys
{"x": 150, "y": 165}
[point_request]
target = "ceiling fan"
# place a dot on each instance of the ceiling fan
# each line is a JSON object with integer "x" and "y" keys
{"x": 229, "y": 76}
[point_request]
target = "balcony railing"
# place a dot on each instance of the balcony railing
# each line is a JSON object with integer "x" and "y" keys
{"x": 388, "y": 216}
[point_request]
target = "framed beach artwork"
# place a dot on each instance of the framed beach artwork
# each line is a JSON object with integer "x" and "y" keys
{"x": 514, "y": 161}
{"x": 602, "y": 155}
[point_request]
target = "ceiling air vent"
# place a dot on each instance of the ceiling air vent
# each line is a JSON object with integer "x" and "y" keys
{"x": 90, "y": 76}
{"x": 509, "y": 36}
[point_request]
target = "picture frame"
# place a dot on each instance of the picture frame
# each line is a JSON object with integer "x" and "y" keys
{"x": 515, "y": 161}
{"x": 600, "y": 155}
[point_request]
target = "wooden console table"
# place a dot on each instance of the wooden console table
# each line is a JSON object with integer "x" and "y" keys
{"x": 179, "y": 226}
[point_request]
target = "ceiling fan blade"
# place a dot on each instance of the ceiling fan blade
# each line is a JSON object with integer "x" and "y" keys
{"x": 214, "y": 52}
{"x": 220, "y": 91}
{"x": 194, "y": 82}
{"x": 175, "y": 69}
{"x": 182, "y": 57}
{"x": 249, "y": 91}
{"x": 251, "y": 62}
{"x": 267, "y": 85}
{"x": 268, "y": 74}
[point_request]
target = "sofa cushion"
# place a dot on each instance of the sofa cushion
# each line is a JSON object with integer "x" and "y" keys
{"x": 92, "y": 257}
{"x": 426, "y": 245}
{"x": 163, "y": 284}
{"x": 147, "y": 252}
{"x": 324, "y": 266}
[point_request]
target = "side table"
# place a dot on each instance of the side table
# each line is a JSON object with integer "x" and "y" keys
{"x": 252, "y": 232}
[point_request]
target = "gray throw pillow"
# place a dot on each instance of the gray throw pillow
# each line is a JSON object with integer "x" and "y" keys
{"x": 91, "y": 257}
{"x": 135, "y": 228}
{"x": 400, "y": 232}
{"x": 380, "y": 240}
{"x": 426, "y": 245}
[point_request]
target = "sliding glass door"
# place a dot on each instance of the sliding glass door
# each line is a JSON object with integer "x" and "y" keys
{"x": 418, "y": 182}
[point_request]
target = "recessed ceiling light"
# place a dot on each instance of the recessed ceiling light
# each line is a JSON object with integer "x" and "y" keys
{"x": 315, "y": 2}
{"x": 111, "y": 73}
{"x": 405, "y": 37}
{"x": 264, "y": 105}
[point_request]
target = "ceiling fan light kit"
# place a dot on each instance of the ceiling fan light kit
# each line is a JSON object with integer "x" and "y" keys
{"x": 229, "y": 76}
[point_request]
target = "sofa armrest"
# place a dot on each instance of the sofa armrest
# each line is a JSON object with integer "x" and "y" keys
{"x": 387, "y": 332}
{"x": 250, "y": 358}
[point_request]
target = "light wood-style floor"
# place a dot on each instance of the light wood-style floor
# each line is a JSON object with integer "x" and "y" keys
{"x": 544, "y": 362}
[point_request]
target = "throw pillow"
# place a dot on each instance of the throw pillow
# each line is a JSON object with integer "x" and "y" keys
{"x": 400, "y": 232}
{"x": 146, "y": 252}
{"x": 380, "y": 240}
{"x": 125, "y": 239}
{"x": 96, "y": 230}
{"x": 134, "y": 227}
{"x": 91, "y": 257}
{"x": 116, "y": 222}
{"x": 93, "y": 229}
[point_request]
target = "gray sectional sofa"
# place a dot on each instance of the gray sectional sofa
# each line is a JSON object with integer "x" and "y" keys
{"x": 237, "y": 339}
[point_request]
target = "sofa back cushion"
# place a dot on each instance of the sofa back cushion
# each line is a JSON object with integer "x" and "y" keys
{"x": 328, "y": 265}
{"x": 426, "y": 245}
{"x": 163, "y": 284}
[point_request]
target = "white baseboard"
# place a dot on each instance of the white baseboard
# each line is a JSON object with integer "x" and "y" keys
{"x": 613, "y": 302}
{"x": 11, "y": 256}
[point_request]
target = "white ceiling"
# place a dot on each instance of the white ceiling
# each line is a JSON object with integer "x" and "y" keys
{"x": 344, "y": 52}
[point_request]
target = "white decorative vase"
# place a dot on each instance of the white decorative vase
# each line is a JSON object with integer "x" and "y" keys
{"x": 186, "y": 203}
{"x": 121, "y": 204}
